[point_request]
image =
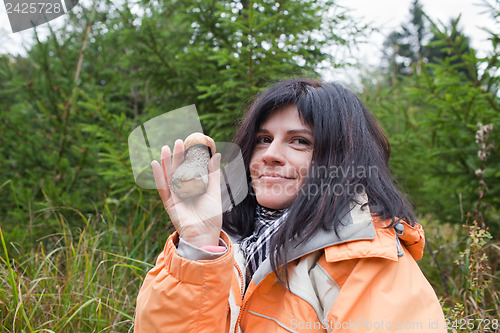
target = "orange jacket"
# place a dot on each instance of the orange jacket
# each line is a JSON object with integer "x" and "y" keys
{"x": 366, "y": 280}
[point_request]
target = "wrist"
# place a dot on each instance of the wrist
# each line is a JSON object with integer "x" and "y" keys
{"x": 203, "y": 241}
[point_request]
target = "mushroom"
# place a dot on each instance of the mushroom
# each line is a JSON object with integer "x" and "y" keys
{"x": 190, "y": 179}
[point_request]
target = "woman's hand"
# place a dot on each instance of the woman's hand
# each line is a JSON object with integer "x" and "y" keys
{"x": 199, "y": 220}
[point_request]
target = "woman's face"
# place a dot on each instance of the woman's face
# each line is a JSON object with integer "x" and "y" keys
{"x": 281, "y": 159}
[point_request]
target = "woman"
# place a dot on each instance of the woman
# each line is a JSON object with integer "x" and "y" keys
{"x": 323, "y": 242}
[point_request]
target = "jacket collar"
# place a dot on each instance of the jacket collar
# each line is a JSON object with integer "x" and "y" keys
{"x": 357, "y": 224}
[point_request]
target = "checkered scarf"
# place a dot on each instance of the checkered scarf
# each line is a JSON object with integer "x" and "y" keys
{"x": 256, "y": 246}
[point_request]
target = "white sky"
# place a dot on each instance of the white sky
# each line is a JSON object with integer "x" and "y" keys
{"x": 385, "y": 14}
{"x": 389, "y": 14}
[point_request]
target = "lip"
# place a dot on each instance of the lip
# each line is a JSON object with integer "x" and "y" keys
{"x": 273, "y": 176}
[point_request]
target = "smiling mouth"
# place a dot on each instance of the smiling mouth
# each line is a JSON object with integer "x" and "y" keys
{"x": 274, "y": 177}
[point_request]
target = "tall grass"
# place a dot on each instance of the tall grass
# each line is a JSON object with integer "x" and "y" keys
{"x": 461, "y": 263}
{"x": 87, "y": 280}
{"x": 82, "y": 279}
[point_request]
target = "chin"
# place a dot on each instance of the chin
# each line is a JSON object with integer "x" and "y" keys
{"x": 274, "y": 202}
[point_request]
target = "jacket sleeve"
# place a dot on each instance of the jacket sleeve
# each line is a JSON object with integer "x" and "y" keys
{"x": 384, "y": 295}
{"x": 180, "y": 295}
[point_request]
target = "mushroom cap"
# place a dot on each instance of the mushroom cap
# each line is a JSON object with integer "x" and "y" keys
{"x": 198, "y": 138}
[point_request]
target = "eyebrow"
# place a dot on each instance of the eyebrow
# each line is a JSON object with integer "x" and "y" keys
{"x": 294, "y": 131}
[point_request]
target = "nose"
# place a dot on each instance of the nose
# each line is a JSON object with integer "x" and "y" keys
{"x": 274, "y": 154}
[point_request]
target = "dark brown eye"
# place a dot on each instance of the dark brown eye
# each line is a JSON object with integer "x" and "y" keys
{"x": 301, "y": 141}
{"x": 263, "y": 140}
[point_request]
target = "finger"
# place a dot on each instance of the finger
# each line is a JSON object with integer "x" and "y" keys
{"x": 168, "y": 171}
{"x": 214, "y": 174}
{"x": 164, "y": 191}
{"x": 166, "y": 163}
{"x": 160, "y": 181}
{"x": 178, "y": 154}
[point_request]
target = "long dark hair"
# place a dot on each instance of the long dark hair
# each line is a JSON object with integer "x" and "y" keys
{"x": 347, "y": 139}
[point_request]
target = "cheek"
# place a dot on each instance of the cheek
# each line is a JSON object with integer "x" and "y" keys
{"x": 302, "y": 166}
{"x": 254, "y": 166}
{"x": 304, "y": 170}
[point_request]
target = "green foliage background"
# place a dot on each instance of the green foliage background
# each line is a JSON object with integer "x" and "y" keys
{"x": 78, "y": 235}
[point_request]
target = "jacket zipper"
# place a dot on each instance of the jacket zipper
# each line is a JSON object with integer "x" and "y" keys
{"x": 242, "y": 282}
{"x": 243, "y": 305}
